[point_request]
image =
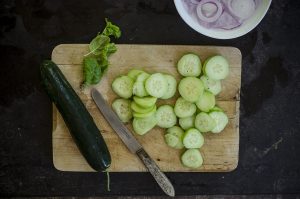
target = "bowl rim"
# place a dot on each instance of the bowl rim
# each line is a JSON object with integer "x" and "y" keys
{"x": 224, "y": 34}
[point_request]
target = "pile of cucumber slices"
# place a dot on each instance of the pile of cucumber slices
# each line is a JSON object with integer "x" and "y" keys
{"x": 195, "y": 111}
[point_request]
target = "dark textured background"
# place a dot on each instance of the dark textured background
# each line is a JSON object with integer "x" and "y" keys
{"x": 270, "y": 96}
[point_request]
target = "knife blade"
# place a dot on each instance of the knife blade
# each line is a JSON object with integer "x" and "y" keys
{"x": 132, "y": 144}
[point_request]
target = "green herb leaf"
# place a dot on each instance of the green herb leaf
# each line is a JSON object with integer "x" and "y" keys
{"x": 98, "y": 44}
{"x": 91, "y": 71}
{"x": 96, "y": 62}
{"x": 103, "y": 62}
{"x": 111, "y": 30}
{"x": 110, "y": 49}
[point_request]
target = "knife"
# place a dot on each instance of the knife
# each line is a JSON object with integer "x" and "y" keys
{"x": 132, "y": 144}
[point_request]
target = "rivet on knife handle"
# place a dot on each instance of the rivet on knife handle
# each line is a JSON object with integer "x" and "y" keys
{"x": 158, "y": 175}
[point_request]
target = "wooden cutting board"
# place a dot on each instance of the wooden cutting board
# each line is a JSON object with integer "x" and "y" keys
{"x": 220, "y": 151}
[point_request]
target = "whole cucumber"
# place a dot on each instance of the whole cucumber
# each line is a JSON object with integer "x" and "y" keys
{"x": 78, "y": 120}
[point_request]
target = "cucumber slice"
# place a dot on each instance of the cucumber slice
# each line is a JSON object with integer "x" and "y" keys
{"x": 165, "y": 116}
{"x": 206, "y": 102}
{"x": 138, "y": 109}
{"x": 142, "y": 77}
{"x": 143, "y": 125}
{"x": 189, "y": 65}
{"x": 139, "y": 89}
{"x": 192, "y": 158}
{"x": 213, "y": 86}
{"x": 171, "y": 88}
{"x": 184, "y": 108}
{"x": 139, "y": 85}
{"x": 216, "y": 109}
{"x": 122, "y": 86}
{"x": 156, "y": 85}
{"x": 147, "y": 114}
{"x": 171, "y": 140}
{"x": 122, "y": 109}
{"x": 133, "y": 73}
{"x": 193, "y": 139}
{"x": 187, "y": 122}
{"x": 178, "y": 132}
{"x": 220, "y": 119}
{"x": 145, "y": 101}
{"x": 216, "y": 67}
{"x": 190, "y": 88}
{"x": 204, "y": 123}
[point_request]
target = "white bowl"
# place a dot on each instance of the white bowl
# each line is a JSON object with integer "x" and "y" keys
{"x": 246, "y": 27}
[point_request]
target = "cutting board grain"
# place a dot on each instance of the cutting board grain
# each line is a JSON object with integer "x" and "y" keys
{"x": 220, "y": 151}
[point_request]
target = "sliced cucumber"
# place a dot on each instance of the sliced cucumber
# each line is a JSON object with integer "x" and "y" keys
{"x": 204, "y": 123}
{"x": 216, "y": 108}
{"x": 187, "y": 122}
{"x": 139, "y": 85}
{"x": 178, "y": 132}
{"x": 190, "y": 88}
{"x": 211, "y": 85}
{"x": 143, "y": 125}
{"x": 142, "y": 77}
{"x": 192, "y": 158}
{"x": 171, "y": 140}
{"x": 220, "y": 119}
{"x": 216, "y": 67}
{"x": 184, "y": 108}
{"x": 206, "y": 102}
{"x": 145, "y": 101}
{"x": 193, "y": 139}
{"x": 122, "y": 109}
{"x": 171, "y": 88}
{"x": 189, "y": 65}
{"x": 156, "y": 85}
{"x": 165, "y": 116}
{"x": 147, "y": 114}
{"x": 122, "y": 86}
{"x": 139, "y": 89}
{"x": 138, "y": 109}
{"x": 133, "y": 73}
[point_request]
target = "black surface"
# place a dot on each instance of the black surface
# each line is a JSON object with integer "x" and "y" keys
{"x": 270, "y": 97}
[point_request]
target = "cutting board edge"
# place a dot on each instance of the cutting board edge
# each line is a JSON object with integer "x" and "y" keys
{"x": 238, "y": 51}
{"x": 230, "y": 168}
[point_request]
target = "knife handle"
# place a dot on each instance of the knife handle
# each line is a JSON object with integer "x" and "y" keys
{"x": 158, "y": 175}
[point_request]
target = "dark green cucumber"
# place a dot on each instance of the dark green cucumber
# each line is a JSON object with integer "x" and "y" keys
{"x": 80, "y": 123}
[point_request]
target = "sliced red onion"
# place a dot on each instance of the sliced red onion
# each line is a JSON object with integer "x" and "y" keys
{"x": 195, "y": 1}
{"x": 242, "y": 9}
{"x": 223, "y": 14}
{"x": 209, "y": 10}
{"x": 226, "y": 21}
{"x": 189, "y": 6}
